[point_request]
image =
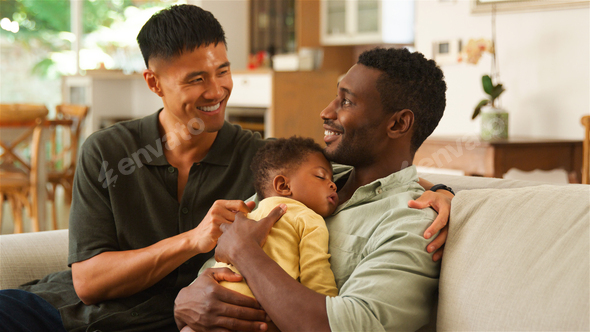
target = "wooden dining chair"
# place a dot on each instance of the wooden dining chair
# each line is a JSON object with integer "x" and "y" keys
{"x": 586, "y": 148}
{"x": 65, "y": 136}
{"x": 20, "y": 161}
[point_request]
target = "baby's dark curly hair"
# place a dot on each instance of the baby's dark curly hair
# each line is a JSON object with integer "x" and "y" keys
{"x": 409, "y": 81}
{"x": 278, "y": 157}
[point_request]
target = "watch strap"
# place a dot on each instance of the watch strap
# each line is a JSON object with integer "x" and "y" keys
{"x": 443, "y": 187}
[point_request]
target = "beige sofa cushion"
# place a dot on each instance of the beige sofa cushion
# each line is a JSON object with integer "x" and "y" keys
{"x": 29, "y": 256}
{"x": 517, "y": 259}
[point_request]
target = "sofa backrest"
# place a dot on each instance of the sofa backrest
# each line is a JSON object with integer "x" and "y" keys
{"x": 29, "y": 256}
{"x": 459, "y": 183}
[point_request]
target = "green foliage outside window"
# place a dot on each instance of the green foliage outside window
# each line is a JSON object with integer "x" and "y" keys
{"x": 46, "y": 23}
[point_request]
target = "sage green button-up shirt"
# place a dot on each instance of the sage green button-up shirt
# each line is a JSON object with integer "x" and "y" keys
{"x": 386, "y": 279}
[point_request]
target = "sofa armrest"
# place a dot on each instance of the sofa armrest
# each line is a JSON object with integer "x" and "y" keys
{"x": 29, "y": 256}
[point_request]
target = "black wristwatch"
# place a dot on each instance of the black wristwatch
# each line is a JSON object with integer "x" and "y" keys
{"x": 443, "y": 187}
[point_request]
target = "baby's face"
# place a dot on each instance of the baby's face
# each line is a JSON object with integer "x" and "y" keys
{"x": 311, "y": 184}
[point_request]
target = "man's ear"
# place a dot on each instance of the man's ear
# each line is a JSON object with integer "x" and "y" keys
{"x": 281, "y": 186}
{"x": 153, "y": 82}
{"x": 400, "y": 123}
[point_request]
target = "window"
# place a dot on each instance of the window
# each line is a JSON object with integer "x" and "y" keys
{"x": 36, "y": 43}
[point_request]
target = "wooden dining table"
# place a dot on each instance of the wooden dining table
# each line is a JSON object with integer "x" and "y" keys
{"x": 12, "y": 126}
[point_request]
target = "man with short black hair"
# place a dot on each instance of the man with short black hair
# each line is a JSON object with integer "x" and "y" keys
{"x": 145, "y": 214}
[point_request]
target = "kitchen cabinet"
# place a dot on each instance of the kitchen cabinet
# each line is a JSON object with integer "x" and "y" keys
{"x": 358, "y": 22}
{"x": 272, "y": 26}
{"x": 285, "y": 103}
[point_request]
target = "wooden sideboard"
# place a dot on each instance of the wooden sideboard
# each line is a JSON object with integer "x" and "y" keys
{"x": 494, "y": 158}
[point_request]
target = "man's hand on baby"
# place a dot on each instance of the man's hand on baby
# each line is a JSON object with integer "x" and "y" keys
{"x": 440, "y": 201}
{"x": 221, "y": 212}
{"x": 206, "y": 305}
{"x": 243, "y": 232}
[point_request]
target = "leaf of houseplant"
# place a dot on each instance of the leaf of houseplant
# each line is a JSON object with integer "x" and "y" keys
{"x": 488, "y": 87}
{"x": 477, "y": 110}
{"x": 497, "y": 91}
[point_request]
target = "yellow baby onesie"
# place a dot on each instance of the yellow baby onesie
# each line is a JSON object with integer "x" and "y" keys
{"x": 298, "y": 242}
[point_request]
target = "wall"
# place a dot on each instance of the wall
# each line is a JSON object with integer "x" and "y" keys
{"x": 234, "y": 18}
{"x": 543, "y": 60}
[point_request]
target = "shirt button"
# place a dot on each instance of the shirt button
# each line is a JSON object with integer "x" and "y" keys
{"x": 134, "y": 314}
{"x": 170, "y": 169}
{"x": 184, "y": 210}
{"x": 379, "y": 191}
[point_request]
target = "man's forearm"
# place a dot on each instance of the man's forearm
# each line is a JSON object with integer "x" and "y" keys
{"x": 116, "y": 274}
{"x": 292, "y": 306}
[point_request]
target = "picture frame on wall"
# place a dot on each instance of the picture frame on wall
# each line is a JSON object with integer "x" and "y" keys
{"x": 485, "y": 6}
{"x": 446, "y": 52}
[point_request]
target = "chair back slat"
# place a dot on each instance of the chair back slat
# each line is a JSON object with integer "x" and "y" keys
{"x": 18, "y": 122}
{"x": 20, "y": 180}
{"x": 34, "y": 175}
{"x": 71, "y": 133}
{"x": 72, "y": 110}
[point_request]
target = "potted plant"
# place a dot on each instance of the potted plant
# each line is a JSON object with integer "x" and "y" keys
{"x": 494, "y": 120}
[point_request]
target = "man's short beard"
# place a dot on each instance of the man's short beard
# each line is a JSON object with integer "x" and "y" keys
{"x": 354, "y": 151}
{"x": 347, "y": 156}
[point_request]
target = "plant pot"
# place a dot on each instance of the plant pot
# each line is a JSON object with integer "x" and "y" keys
{"x": 494, "y": 123}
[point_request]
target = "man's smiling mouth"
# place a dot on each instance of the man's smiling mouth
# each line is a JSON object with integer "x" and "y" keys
{"x": 209, "y": 108}
{"x": 331, "y": 133}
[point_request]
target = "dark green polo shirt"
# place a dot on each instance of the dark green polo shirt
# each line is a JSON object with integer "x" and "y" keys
{"x": 125, "y": 197}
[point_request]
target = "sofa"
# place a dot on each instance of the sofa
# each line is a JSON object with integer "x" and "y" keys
{"x": 517, "y": 257}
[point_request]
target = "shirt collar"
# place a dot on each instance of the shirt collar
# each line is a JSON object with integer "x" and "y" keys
{"x": 400, "y": 178}
{"x": 149, "y": 135}
{"x": 220, "y": 153}
{"x": 405, "y": 175}
{"x": 398, "y": 181}
{"x": 223, "y": 147}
